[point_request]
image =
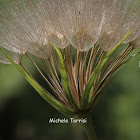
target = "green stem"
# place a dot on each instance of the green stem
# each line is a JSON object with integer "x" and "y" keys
{"x": 88, "y": 126}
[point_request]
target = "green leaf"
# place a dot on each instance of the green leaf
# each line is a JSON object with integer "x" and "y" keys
{"x": 96, "y": 98}
{"x": 52, "y": 101}
{"x": 64, "y": 78}
{"x": 86, "y": 95}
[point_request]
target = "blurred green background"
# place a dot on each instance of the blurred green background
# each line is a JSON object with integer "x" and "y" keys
{"x": 24, "y": 115}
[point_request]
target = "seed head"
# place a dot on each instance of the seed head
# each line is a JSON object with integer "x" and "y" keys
{"x": 50, "y": 29}
{"x": 30, "y": 26}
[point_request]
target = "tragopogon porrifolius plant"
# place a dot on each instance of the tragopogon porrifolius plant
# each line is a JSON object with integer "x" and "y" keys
{"x": 75, "y": 40}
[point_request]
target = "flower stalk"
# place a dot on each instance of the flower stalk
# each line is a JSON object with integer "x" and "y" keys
{"x": 89, "y": 128}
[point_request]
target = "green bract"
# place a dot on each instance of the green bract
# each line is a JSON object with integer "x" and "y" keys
{"x": 56, "y": 104}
